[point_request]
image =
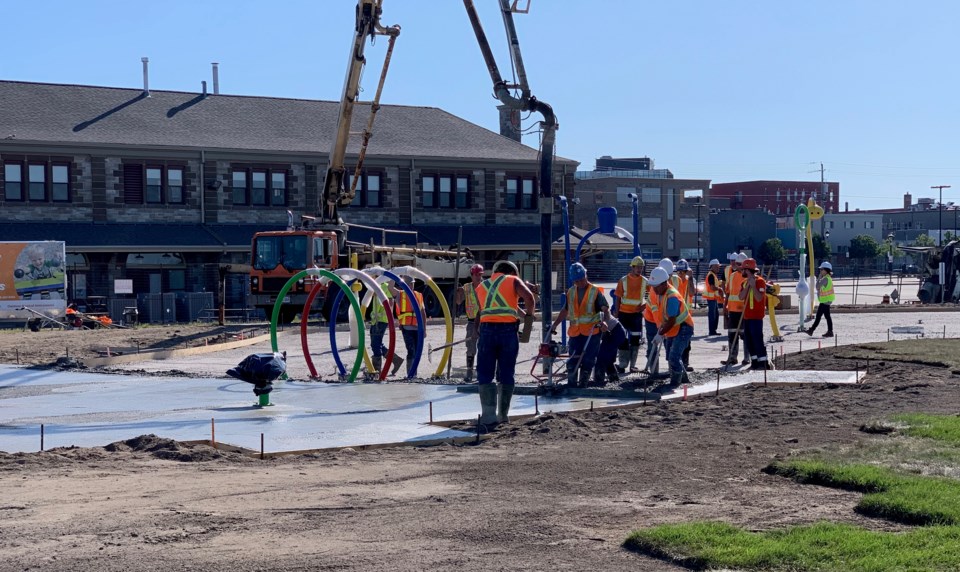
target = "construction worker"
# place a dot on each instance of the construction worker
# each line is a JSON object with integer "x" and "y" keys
{"x": 378, "y": 328}
{"x": 754, "y": 309}
{"x": 650, "y": 313}
{"x": 630, "y": 303}
{"x": 589, "y": 312}
{"x": 500, "y": 315}
{"x": 685, "y": 284}
{"x": 713, "y": 294}
{"x": 467, "y": 295}
{"x": 826, "y": 296}
{"x": 733, "y": 312}
{"x": 674, "y": 324}
{"x": 408, "y": 319}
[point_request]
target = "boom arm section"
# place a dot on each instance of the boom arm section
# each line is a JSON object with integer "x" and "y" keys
{"x": 367, "y": 26}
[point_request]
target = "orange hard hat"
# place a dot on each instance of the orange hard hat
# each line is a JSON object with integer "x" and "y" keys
{"x": 749, "y": 264}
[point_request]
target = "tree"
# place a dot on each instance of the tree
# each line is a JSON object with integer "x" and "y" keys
{"x": 948, "y": 236}
{"x": 771, "y": 251}
{"x": 864, "y": 246}
{"x": 821, "y": 249}
{"x": 924, "y": 240}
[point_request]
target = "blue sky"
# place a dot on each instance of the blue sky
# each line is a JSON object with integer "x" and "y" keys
{"x": 727, "y": 91}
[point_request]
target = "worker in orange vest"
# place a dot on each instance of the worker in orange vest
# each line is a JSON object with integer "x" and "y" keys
{"x": 467, "y": 295}
{"x": 754, "y": 309}
{"x": 630, "y": 297}
{"x": 589, "y": 312}
{"x": 407, "y": 318}
{"x": 500, "y": 316}
{"x": 674, "y": 324}
{"x": 733, "y": 312}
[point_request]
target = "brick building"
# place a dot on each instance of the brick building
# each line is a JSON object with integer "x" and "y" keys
{"x": 163, "y": 187}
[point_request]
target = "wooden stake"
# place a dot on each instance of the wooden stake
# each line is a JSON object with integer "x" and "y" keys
{"x": 213, "y": 434}
{"x": 261, "y": 446}
{"x": 431, "y": 412}
{"x": 536, "y": 404}
{"x": 478, "y": 429}
{"x": 718, "y": 382}
{"x": 41, "y": 436}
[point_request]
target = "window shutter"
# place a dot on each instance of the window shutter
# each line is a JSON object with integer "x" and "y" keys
{"x": 133, "y": 184}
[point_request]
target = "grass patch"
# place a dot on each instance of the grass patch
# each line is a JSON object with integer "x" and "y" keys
{"x": 824, "y": 547}
{"x": 925, "y": 351}
{"x": 937, "y": 427}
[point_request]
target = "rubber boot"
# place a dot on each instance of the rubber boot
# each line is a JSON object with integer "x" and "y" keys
{"x": 598, "y": 376}
{"x": 469, "y": 375}
{"x": 613, "y": 374}
{"x": 377, "y": 363}
{"x": 503, "y": 408}
{"x": 397, "y": 362}
{"x": 634, "y": 353}
{"x": 488, "y": 405}
{"x": 584, "y": 378}
{"x": 623, "y": 360}
{"x": 571, "y": 377}
{"x": 676, "y": 378}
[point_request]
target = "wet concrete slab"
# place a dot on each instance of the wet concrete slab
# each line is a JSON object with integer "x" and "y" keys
{"x": 88, "y": 410}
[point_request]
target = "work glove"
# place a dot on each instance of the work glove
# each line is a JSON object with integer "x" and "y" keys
{"x": 527, "y": 328}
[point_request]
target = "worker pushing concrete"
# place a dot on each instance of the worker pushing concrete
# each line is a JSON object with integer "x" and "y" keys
{"x": 631, "y": 295}
{"x": 500, "y": 316}
{"x": 588, "y": 311}
{"x": 733, "y": 312}
{"x": 674, "y": 325}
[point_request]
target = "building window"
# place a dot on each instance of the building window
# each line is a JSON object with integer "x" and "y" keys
{"x": 60, "y": 177}
{"x": 175, "y": 185}
{"x": 830, "y": 224}
{"x": 688, "y": 225}
{"x": 848, "y": 224}
{"x": 869, "y": 224}
{"x": 239, "y": 186}
{"x": 154, "y": 192}
{"x": 446, "y": 191}
{"x": 37, "y": 182}
{"x": 367, "y": 192}
{"x": 13, "y": 181}
{"x": 520, "y": 193}
{"x": 278, "y": 189}
{"x": 650, "y": 195}
{"x": 258, "y": 188}
{"x": 650, "y": 224}
{"x": 623, "y": 192}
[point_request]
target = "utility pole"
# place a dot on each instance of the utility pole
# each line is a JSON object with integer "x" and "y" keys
{"x": 940, "y": 208}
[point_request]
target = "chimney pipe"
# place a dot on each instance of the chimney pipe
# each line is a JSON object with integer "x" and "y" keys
{"x": 216, "y": 78}
{"x": 146, "y": 76}
{"x": 846, "y": 206}
{"x": 907, "y": 201}
{"x": 204, "y": 84}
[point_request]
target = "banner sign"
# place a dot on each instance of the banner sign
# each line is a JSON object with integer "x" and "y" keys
{"x": 32, "y": 275}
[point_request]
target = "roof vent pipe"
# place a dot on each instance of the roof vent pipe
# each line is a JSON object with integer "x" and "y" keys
{"x": 216, "y": 78}
{"x": 204, "y": 84}
{"x": 146, "y": 76}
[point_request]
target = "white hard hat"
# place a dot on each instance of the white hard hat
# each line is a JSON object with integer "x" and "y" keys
{"x": 714, "y": 261}
{"x": 658, "y": 276}
{"x": 826, "y": 265}
{"x": 667, "y": 265}
{"x": 731, "y": 256}
{"x": 741, "y": 257}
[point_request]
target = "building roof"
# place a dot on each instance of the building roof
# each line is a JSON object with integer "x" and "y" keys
{"x": 77, "y": 114}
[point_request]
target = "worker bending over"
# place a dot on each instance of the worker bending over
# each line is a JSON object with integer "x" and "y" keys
{"x": 674, "y": 325}
{"x": 500, "y": 315}
{"x": 588, "y": 311}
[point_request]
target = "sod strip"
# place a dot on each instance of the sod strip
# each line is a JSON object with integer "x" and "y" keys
{"x": 937, "y": 427}
{"x": 824, "y": 547}
{"x": 907, "y": 499}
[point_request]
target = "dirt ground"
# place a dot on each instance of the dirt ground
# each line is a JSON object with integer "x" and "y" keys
{"x": 559, "y": 492}
{"x": 48, "y": 346}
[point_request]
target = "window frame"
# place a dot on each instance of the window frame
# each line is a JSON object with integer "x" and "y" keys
{"x": 515, "y": 200}
{"x": 168, "y": 187}
{"x": 53, "y": 183}
{"x": 363, "y": 193}
{"x": 6, "y": 181}
{"x": 248, "y": 171}
{"x": 43, "y": 184}
{"x": 446, "y": 199}
{"x": 157, "y": 199}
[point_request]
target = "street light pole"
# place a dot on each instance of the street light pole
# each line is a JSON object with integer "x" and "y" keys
{"x": 940, "y": 208}
{"x": 890, "y": 258}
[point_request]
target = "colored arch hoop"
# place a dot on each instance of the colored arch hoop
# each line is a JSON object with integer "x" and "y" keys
{"x": 373, "y": 289}
{"x": 343, "y": 288}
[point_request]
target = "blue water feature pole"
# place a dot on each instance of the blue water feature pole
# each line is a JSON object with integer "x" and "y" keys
{"x": 607, "y": 217}
{"x": 566, "y": 262}
{"x": 636, "y": 223}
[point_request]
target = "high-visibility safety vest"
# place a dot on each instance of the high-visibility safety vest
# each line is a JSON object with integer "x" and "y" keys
{"x": 710, "y": 291}
{"x": 630, "y": 290}
{"x": 683, "y": 317}
{"x": 497, "y": 299}
{"x": 825, "y": 293}
{"x": 583, "y": 313}
{"x": 653, "y": 306}
{"x": 685, "y": 288}
{"x": 470, "y": 300}
{"x": 405, "y": 309}
{"x": 727, "y": 271}
{"x": 378, "y": 314}
{"x": 735, "y": 293}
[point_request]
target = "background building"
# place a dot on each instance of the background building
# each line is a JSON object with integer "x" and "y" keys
{"x": 778, "y": 197}
{"x": 740, "y": 230}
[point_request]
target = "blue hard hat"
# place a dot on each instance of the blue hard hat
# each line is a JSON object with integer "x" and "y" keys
{"x": 577, "y": 271}
{"x": 682, "y": 264}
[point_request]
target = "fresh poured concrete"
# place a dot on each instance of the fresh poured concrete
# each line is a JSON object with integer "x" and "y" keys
{"x": 87, "y": 410}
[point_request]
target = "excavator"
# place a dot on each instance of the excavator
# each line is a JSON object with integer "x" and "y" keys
{"x": 321, "y": 240}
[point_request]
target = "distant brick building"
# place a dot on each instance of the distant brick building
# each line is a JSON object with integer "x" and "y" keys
{"x": 778, "y": 197}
